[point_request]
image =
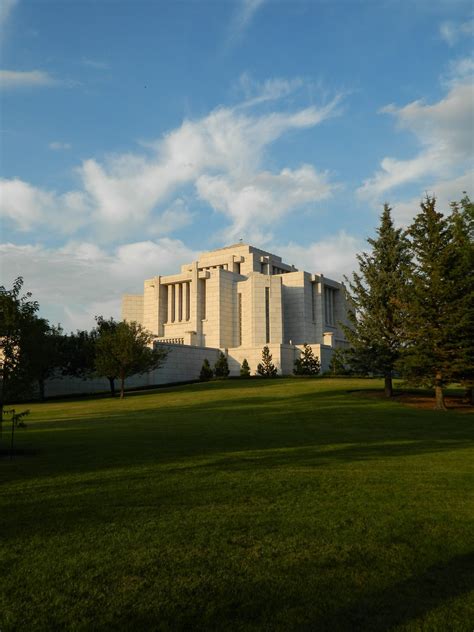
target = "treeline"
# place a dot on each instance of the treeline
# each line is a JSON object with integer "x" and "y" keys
{"x": 32, "y": 350}
{"x": 412, "y": 301}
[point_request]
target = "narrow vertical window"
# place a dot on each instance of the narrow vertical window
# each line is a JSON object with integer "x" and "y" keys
{"x": 313, "y": 297}
{"x": 180, "y": 302}
{"x": 173, "y": 302}
{"x": 267, "y": 314}
{"x": 188, "y": 301}
{"x": 239, "y": 298}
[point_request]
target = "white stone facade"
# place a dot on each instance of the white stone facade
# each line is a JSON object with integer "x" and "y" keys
{"x": 239, "y": 299}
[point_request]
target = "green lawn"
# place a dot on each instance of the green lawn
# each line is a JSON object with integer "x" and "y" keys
{"x": 285, "y": 504}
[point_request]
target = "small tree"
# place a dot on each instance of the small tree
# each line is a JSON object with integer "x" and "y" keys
{"x": 105, "y": 327}
{"x": 245, "y": 369}
{"x": 308, "y": 363}
{"x": 206, "y": 372}
{"x": 17, "y": 312}
{"x": 123, "y": 351}
{"x": 266, "y": 368}
{"x": 221, "y": 367}
{"x": 337, "y": 365}
{"x": 78, "y": 354}
{"x": 41, "y": 351}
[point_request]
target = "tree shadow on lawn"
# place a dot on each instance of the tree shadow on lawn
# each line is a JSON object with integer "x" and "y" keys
{"x": 176, "y": 433}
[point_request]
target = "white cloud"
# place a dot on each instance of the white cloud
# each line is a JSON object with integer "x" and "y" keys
{"x": 95, "y": 63}
{"x": 242, "y": 18}
{"x": 25, "y": 79}
{"x": 445, "y": 191}
{"x": 28, "y": 206}
{"x": 260, "y": 201}
{"x": 79, "y": 280}
{"x": 6, "y": 7}
{"x": 269, "y": 90}
{"x": 127, "y": 189}
{"x": 452, "y": 32}
{"x": 58, "y": 145}
{"x": 334, "y": 256}
{"x": 445, "y": 133}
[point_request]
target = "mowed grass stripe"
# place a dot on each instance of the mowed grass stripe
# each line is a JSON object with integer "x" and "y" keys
{"x": 286, "y": 504}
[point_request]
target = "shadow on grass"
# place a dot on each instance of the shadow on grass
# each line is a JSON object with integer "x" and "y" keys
{"x": 407, "y": 600}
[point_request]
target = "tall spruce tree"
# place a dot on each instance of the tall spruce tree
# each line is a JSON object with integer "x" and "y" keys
{"x": 462, "y": 272}
{"x": 376, "y": 295}
{"x": 434, "y": 316}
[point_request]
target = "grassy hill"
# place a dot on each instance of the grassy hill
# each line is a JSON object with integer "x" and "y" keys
{"x": 287, "y": 504}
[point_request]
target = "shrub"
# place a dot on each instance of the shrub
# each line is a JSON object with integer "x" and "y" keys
{"x": 221, "y": 367}
{"x": 307, "y": 364}
{"x": 206, "y": 371}
{"x": 266, "y": 368}
{"x": 245, "y": 369}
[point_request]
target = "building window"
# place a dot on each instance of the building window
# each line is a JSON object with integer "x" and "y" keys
{"x": 180, "y": 302}
{"x": 329, "y": 301}
{"x": 267, "y": 314}
{"x": 188, "y": 300}
{"x": 239, "y": 298}
{"x": 313, "y": 301}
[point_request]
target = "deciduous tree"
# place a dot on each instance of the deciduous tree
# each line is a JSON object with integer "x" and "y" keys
{"x": 123, "y": 351}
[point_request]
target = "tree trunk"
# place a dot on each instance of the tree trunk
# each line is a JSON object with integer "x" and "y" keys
{"x": 122, "y": 387}
{"x": 112, "y": 386}
{"x": 388, "y": 386}
{"x": 439, "y": 394}
{"x": 41, "y": 389}
{"x": 469, "y": 396}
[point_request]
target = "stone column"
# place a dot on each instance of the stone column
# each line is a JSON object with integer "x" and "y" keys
{"x": 184, "y": 289}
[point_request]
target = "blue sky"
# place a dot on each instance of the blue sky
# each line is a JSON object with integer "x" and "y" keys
{"x": 136, "y": 134}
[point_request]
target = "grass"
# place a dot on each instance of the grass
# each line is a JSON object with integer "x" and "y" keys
{"x": 257, "y": 505}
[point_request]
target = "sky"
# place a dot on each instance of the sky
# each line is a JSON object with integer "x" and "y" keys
{"x": 134, "y": 135}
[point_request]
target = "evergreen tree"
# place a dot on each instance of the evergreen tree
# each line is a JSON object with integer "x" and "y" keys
{"x": 245, "y": 369}
{"x": 377, "y": 295}
{"x": 266, "y": 368}
{"x": 221, "y": 367}
{"x": 307, "y": 364}
{"x": 336, "y": 365}
{"x": 124, "y": 351}
{"x": 462, "y": 223}
{"x": 434, "y": 318}
{"x": 206, "y": 372}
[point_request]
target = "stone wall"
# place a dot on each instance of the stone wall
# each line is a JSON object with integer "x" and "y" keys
{"x": 182, "y": 364}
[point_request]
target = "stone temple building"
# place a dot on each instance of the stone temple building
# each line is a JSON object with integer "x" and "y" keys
{"x": 238, "y": 299}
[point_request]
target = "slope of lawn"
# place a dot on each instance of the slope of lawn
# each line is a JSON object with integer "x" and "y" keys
{"x": 286, "y": 504}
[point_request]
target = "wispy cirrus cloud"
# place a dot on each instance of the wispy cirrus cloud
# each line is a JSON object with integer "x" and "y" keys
{"x": 242, "y": 18}
{"x": 6, "y": 7}
{"x": 444, "y": 133}
{"x": 59, "y": 146}
{"x": 453, "y": 32}
{"x": 12, "y": 79}
{"x": 95, "y": 63}
{"x": 219, "y": 156}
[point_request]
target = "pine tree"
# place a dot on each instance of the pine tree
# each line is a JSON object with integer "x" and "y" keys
{"x": 462, "y": 223}
{"x": 245, "y": 369}
{"x": 434, "y": 318}
{"x": 266, "y": 368}
{"x": 206, "y": 372}
{"x": 307, "y": 364}
{"x": 377, "y": 295}
{"x": 336, "y": 365}
{"x": 221, "y": 367}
